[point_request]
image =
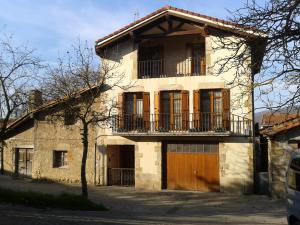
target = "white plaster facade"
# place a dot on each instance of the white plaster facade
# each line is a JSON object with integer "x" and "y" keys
{"x": 235, "y": 152}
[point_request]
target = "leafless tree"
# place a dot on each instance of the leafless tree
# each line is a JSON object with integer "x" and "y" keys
{"x": 277, "y": 41}
{"x": 18, "y": 67}
{"x": 85, "y": 84}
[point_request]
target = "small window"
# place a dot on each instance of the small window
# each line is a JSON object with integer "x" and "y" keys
{"x": 294, "y": 174}
{"x": 60, "y": 159}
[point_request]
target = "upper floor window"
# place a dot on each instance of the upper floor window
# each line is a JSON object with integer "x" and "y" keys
{"x": 134, "y": 110}
{"x": 171, "y": 110}
{"x": 134, "y": 103}
{"x": 212, "y": 109}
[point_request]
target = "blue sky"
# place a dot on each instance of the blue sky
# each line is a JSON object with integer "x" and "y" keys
{"x": 51, "y": 26}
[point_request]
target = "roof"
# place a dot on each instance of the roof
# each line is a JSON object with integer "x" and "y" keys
{"x": 271, "y": 119}
{"x": 282, "y": 127}
{"x": 220, "y": 23}
{"x": 46, "y": 106}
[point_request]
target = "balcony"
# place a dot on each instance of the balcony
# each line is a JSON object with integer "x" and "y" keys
{"x": 171, "y": 67}
{"x": 193, "y": 124}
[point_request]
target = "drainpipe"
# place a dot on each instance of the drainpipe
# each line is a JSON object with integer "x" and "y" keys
{"x": 95, "y": 161}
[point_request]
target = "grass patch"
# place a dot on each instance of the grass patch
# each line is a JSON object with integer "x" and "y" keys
{"x": 40, "y": 200}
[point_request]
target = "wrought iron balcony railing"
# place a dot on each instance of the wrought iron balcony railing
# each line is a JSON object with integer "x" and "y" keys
{"x": 171, "y": 67}
{"x": 185, "y": 123}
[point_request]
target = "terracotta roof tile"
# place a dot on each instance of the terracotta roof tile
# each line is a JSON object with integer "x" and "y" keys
{"x": 282, "y": 127}
{"x": 271, "y": 119}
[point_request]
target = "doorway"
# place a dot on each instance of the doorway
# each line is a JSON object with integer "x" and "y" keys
{"x": 23, "y": 161}
{"x": 120, "y": 165}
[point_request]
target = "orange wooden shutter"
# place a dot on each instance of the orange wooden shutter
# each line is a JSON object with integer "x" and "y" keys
{"x": 226, "y": 108}
{"x": 146, "y": 110}
{"x": 196, "y": 109}
{"x": 156, "y": 109}
{"x": 120, "y": 110}
{"x": 185, "y": 109}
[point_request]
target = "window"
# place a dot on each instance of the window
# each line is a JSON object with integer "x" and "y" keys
{"x": 198, "y": 59}
{"x": 136, "y": 111}
{"x": 211, "y": 108}
{"x": 60, "y": 159}
{"x": 171, "y": 110}
{"x": 194, "y": 148}
{"x": 151, "y": 63}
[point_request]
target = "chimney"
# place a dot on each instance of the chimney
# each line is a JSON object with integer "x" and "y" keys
{"x": 35, "y": 99}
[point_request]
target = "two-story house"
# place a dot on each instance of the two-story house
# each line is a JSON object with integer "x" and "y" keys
{"x": 179, "y": 126}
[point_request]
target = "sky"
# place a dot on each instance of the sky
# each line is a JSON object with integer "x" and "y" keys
{"x": 52, "y": 26}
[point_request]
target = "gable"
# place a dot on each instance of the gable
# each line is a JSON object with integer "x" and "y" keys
{"x": 160, "y": 21}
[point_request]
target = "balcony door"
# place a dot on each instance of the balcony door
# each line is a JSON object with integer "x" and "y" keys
{"x": 134, "y": 111}
{"x": 211, "y": 109}
{"x": 172, "y": 110}
{"x": 197, "y": 57}
{"x": 151, "y": 61}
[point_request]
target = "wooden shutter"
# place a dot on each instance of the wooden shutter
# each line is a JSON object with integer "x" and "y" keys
{"x": 226, "y": 108}
{"x": 156, "y": 109}
{"x": 120, "y": 106}
{"x": 185, "y": 109}
{"x": 196, "y": 109}
{"x": 146, "y": 110}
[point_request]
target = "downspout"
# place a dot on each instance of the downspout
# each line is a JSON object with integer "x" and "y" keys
{"x": 95, "y": 161}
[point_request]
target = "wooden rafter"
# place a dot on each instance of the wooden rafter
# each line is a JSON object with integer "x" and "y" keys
{"x": 161, "y": 28}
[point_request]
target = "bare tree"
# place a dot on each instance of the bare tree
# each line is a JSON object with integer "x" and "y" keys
{"x": 85, "y": 85}
{"x": 18, "y": 67}
{"x": 274, "y": 40}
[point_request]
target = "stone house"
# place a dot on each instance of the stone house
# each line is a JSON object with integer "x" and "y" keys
{"x": 180, "y": 126}
{"x": 283, "y": 138}
{"x": 42, "y": 147}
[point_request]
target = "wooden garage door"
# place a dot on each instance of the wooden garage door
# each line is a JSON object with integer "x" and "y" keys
{"x": 193, "y": 166}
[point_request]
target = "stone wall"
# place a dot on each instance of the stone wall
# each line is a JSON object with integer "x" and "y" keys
{"x": 279, "y": 152}
{"x": 235, "y": 162}
{"x": 45, "y": 137}
{"x": 148, "y": 160}
{"x": 236, "y": 165}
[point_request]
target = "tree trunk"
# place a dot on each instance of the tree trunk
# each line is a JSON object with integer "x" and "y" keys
{"x": 2, "y": 157}
{"x": 84, "y": 189}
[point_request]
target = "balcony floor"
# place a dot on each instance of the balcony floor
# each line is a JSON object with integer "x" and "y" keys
{"x": 178, "y": 134}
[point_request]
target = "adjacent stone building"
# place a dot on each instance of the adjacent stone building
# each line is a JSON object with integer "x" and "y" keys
{"x": 42, "y": 147}
{"x": 283, "y": 139}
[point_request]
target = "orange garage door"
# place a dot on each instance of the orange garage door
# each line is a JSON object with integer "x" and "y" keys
{"x": 193, "y": 166}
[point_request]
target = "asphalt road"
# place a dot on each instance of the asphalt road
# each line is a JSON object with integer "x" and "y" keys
{"x": 129, "y": 206}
